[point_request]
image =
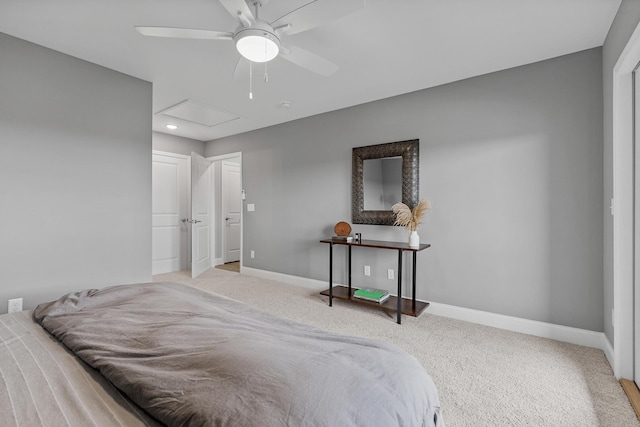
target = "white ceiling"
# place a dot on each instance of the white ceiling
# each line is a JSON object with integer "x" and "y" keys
{"x": 387, "y": 48}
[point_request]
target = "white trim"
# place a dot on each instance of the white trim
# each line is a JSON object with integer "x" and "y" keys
{"x": 516, "y": 324}
{"x": 285, "y": 278}
{"x": 608, "y": 349}
{"x": 623, "y": 207}
{"x": 531, "y": 327}
{"x": 226, "y": 156}
{"x": 169, "y": 154}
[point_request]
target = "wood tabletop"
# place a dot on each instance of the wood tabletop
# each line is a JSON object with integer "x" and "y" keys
{"x": 381, "y": 244}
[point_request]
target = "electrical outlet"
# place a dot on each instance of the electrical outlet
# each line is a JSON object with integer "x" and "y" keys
{"x": 14, "y": 305}
{"x": 390, "y": 274}
{"x": 367, "y": 270}
{"x": 253, "y": 253}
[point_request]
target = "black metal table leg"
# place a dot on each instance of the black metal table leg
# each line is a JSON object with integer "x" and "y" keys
{"x": 349, "y": 272}
{"x": 413, "y": 291}
{"x": 330, "y": 274}
{"x": 399, "y": 307}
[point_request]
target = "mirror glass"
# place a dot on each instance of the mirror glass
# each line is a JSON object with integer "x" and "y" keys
{"x": 382, "y": 183}
{"x": 382, "y": 175}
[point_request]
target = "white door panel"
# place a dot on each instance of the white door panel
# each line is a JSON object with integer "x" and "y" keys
{"x": 169, "y": 205}
{"x": 201, "y": 191}
{"x": 231, "y": 210}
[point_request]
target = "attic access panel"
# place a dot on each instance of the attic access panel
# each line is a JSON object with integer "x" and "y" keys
{"x": 198, "y": 113}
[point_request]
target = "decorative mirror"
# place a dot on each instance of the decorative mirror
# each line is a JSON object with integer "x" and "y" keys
{"x": 383, "y": 175}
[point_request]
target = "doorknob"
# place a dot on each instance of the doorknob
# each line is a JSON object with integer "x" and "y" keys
{"x": 190, "y": 221}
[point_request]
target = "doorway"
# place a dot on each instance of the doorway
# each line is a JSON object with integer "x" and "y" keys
{"x": 189, "y": 227}
{"x": 231, "y": 210}
{"x": 227, "y": 172}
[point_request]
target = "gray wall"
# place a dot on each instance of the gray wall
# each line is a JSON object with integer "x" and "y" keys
{"x": 511, "y": 162}
{"x": 75, "y": 175}
{"x": 624, "y": 24}
{"x": 176, "y": 144}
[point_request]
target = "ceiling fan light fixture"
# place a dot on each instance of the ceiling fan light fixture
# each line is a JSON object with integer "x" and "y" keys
{"x": 257, "y": 44}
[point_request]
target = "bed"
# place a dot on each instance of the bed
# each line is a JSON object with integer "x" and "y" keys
{"x": 169, "y": 354}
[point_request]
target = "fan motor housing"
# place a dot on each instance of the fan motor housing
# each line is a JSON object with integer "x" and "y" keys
{"x": 258, "y": 43}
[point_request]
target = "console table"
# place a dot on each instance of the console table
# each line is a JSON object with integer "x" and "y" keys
{"x": 398, "y": 304}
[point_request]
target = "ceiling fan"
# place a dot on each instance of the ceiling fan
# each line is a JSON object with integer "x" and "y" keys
{"x": 261, "y": 41}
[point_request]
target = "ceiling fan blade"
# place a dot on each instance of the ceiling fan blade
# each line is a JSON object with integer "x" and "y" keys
{"x": 315, "y": 13}
{"x": 305, "y": 59}
{"x": 241, "y": 71}
{"x": 240, "y": 11}
{"x": 184, "y": 33}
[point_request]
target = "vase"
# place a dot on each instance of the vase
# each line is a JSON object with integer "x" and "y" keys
{"x": 414, "y": 239}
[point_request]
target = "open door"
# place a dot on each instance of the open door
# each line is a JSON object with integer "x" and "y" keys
{"x": 201, "y": 190}
{"x": 231, "y": 210}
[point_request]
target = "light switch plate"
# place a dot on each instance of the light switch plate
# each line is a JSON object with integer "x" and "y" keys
{"x": 251, "y": 207}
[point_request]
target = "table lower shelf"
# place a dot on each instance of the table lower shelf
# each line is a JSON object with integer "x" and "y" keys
{"x": 407, "y": 305}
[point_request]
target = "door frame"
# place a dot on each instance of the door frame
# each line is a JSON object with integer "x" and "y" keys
{"x": 622, "y": 208}
{"x": 223, "y": 206}
{"x": 218, "y": 209}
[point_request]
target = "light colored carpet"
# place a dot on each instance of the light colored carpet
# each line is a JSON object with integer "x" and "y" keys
{"x": 485, "y": 376}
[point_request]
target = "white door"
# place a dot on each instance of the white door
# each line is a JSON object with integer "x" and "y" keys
{"x": 169, "y": 234}
{"x": 201, "y": 190}
{"x": 231, "y": 209}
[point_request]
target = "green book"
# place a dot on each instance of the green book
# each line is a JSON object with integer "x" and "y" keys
{"x": 370, "y": 294}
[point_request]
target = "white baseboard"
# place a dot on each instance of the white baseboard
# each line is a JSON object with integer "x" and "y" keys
{"x": 516, "y": 324}
{"x": 608, "y": 351}
{"x": 285, "y": 278}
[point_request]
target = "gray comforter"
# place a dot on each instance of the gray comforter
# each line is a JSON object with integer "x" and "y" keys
{"x": 193, "y": 358}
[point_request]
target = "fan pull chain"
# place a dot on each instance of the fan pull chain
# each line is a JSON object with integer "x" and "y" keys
{"x": 250, "y": 80}
{"x": 266, "y": 75}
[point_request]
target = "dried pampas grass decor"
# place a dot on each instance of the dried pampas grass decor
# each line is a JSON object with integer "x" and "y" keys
{"x": 405, "y": 217}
